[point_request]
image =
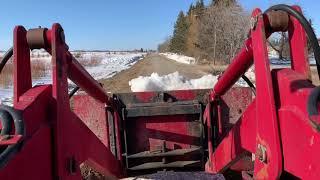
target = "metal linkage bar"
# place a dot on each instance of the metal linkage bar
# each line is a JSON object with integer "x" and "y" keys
{"x": 42, "y": 38}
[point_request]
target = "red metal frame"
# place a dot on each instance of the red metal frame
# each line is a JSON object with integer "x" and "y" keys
{"x": 49, "y": 118}
{"x": 275, "y": 127}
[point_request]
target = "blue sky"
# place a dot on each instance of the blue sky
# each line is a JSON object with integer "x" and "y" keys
{"x": 113, "y": 24}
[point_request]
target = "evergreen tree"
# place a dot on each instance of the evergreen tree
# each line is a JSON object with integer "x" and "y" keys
{"x": 178, "y": 42}
{"x": 191, "y": 8}
{"x": 199, "y": 8}
{"x": 225, "y": 3}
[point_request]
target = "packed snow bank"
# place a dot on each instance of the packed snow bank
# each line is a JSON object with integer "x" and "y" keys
{"x": 179, "y": 58}
{"x": 175, "y": 81}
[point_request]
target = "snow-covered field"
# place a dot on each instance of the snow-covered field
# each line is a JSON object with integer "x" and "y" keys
{"x": 108, "y": 65}
{"x": 111, "y": 64}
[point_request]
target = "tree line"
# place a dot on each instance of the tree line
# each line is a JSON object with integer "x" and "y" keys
{"x": 213, "y": 32}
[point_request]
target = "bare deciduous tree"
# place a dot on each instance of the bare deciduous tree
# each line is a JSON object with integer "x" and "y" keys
{"x": 281, "y": 45}
{"x": 222, "y": 32}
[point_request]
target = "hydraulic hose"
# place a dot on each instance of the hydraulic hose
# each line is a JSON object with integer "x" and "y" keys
{"x": 6, "y": 58}
{"x": 73, "y": 91}
{"x": 307, "y": 27}
{"x": 6, "y": 122}
{"x": 250, "y": 84}
{"x": 16, "y": 116}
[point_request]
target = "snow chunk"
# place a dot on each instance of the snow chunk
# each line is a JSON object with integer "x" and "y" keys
{"x": 180, "y": 58}
{"x": 173, "y": 81}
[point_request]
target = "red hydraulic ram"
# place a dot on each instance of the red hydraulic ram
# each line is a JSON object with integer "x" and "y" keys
{"x": 238, "y": 67}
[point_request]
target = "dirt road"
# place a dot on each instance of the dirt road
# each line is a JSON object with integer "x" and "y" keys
{"x": 153, "y": 63}
{"x": 161, "y": 65}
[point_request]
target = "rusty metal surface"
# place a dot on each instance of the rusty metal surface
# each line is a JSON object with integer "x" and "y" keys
{"x": 163, "y": 109}
{"x": 36, "y": 38}
{"x": 164, "y": 96}
{"x": 278, "y": 20}
{"x": 94, "y": 116}
{"x": 169, "y": 175}
{"x": 234, "y": 103}
{"x": 177, "y": 152}
{"x": 158, "y": 165}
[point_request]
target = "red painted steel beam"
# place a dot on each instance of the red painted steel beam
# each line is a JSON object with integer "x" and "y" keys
{"x": 75, "y": 71}
{"x": 67, "y": 128}
{"x": 268, "y": 135}
{"x": 22, "y": 69}
{"x": 240, "y": 64}
{"x": 85, "y": 81}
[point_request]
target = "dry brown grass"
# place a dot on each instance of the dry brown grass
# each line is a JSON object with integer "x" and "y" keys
{"x": 6, "y": 75}
{"x": 89, "y": 62}
{"x": 314, "y": 76}
{"x": 39, "y": 69}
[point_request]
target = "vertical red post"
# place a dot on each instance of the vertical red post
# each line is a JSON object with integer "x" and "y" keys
{"x": 21, "y": 57}
{"x": 298, "y": 46}
{"x": 60, "y": 94}
{"x": 268, "y": 163}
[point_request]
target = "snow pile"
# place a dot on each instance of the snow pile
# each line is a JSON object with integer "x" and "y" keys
{"x": 173, "y": 81}
{"x": 180, "y": 58}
